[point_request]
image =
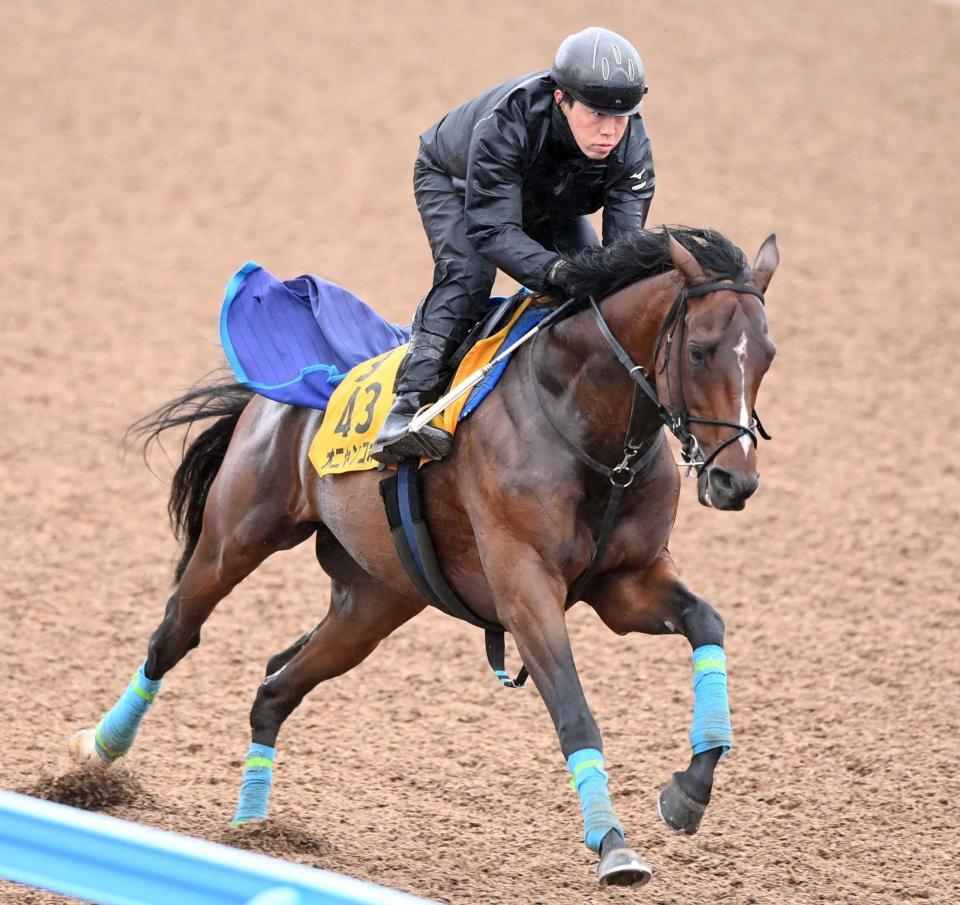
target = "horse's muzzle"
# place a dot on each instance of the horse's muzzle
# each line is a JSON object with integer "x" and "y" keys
{"x": 728, "y": 490}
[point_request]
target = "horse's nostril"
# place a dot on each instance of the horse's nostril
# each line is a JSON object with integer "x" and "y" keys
{"x": 732, "y": 486}
{"x": 722, "y": 481}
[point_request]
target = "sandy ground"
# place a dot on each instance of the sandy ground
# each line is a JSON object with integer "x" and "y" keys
{"x": 149, "y": 149}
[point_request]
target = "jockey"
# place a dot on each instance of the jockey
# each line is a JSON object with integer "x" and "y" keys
{"x": 505, "y": 181}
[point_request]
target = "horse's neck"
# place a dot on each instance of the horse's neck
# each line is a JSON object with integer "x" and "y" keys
{"x": 636, "y": 313}
{"x": 598, "y": 393}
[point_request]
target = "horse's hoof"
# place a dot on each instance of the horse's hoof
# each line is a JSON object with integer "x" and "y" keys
{"x": 623, "y": 867}
{"x": 678, "y": 810}
{"x": 83, "y": 748}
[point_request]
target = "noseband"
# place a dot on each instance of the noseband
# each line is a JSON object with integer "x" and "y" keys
{"x": 679, "y": 419}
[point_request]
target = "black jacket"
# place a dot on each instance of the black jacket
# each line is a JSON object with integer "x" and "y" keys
{"x": 514, "y": 151}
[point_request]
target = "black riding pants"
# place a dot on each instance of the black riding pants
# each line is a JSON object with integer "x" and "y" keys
{"x": 462, "y": 277}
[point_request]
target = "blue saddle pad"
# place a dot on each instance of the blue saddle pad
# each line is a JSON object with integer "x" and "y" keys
{"x": 294, "y": 341}
{"x": 525, "y": 323}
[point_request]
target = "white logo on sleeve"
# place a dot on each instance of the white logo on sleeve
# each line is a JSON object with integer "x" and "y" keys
{"x": 641, "y": 178}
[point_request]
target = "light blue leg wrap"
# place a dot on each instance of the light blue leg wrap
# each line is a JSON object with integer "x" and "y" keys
{"x": 711, "y": 710}
{"x": 254, "y": 801}
{"x": 590, "y": 781}
{"x": 118, "y": 728}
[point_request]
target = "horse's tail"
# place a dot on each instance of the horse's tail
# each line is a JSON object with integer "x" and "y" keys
{"x": 224, "y": 400}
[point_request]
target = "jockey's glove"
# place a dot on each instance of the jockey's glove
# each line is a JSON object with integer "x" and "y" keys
{"x": 560, "y": 275}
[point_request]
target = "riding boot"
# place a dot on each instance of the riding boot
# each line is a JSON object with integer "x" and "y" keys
{"x": 420, "y": 382}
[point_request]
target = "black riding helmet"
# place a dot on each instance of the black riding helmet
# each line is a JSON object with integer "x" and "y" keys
{"x": 602, "y": 70}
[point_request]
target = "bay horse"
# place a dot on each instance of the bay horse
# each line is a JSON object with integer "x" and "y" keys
{"x": 515, "y": 511}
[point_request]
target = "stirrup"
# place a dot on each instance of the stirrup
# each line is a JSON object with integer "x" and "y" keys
{"x": 429, "y": 442}
{"x": 435, "y": 441}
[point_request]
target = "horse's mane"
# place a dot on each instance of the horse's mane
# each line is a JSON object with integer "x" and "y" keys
{"x": 643, "y": 253}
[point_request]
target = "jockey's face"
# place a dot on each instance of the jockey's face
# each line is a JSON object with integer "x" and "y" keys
{"x": 596, "y": 134}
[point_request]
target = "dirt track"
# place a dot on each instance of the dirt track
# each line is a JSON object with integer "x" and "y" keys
{"x": 149, "y": 149}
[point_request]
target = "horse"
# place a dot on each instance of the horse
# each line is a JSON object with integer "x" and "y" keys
{"x": 679, "y": 339}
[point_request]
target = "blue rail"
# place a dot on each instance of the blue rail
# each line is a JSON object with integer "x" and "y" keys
{"x": 114, "y": 862}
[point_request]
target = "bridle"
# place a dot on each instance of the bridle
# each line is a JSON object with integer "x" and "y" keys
{"x": 672, "y": 333}
{"x": 640, "y": 453}
{"x": 676, "y": 419}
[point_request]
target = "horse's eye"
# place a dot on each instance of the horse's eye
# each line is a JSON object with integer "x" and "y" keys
{"x": 696, "y": 354}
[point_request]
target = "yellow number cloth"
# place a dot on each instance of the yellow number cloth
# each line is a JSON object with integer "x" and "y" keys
{"x": 360, "y": 403}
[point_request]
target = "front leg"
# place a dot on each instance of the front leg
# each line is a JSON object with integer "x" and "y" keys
{"x": 529, "y": 599}
{"x": 655, "y": 601}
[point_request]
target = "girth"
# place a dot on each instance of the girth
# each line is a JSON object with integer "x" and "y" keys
{"x": 403, "y": 501}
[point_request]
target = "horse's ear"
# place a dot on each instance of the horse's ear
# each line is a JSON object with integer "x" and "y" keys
{"x": 687, "y": 265}
{"x": 766, "y": 263}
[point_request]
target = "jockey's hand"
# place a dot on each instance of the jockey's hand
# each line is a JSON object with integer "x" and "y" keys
{"x": 562, "y": 277}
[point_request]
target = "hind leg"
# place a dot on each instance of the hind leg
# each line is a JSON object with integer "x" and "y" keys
{"x": 278, "y": 661}
{"x": 361, "y": 615}
{"x": 221, "y": 561}
{"x": 235, "y": 539}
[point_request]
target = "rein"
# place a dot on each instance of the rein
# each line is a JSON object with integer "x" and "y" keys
{"x": 636, "y": 459}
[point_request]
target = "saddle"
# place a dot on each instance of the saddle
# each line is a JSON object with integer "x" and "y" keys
{"x": 361, "y": 401}
{"x": 495, "y": 319}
